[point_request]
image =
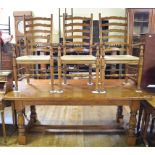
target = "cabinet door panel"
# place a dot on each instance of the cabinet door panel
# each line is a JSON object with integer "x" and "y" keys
{"x": 148, "y": 76}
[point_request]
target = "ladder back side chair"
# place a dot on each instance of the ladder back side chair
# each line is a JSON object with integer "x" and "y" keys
{"x": 114, "y": 49}
{"x": 2, "y": 119}
{"x": 78, "y": 47}
{"x": 38, "y": 50}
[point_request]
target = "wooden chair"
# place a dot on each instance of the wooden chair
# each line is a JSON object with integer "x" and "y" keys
{"x": 114, "y": 49}
{"x": 37, "y": 39}
{"x": 2, "y": 118}
{"x": 78, "y": 47}
{"x": 146, "y": 121}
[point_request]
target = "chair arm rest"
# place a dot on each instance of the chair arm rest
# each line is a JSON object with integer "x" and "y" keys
{"x": 137, "y": 45}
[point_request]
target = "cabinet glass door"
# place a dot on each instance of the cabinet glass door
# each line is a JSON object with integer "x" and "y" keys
{"x": 141, "y": 25}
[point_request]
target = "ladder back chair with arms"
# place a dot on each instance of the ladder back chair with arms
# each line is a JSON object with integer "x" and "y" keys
{"x": 78, "y": 47}
{"x": 2, "y": 118}
{"x": 38, "y": 49}
{"x": 114, "y": 49}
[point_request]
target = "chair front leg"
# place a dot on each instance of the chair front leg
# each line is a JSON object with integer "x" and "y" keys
{"x": 90, "y": 75}
{"x": 52, "y": 73}
{"x": 15, "y": 74}
{"x": 64, "y": 74}
{"x": 102, "y": 75}
{"x": 59, "y": 71}
{"x": 27, "y": 70}
{"x": 126, "y": 73}
{"x": 140, "y": 68}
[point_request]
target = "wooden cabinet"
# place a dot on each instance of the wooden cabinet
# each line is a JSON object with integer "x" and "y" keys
{"x": 140, "y": 22}
{"x": 142, "y": 28}
{"x": 19, "y": 27}
{"x": 6, "y": 57}
{"x": 148, "y": 74}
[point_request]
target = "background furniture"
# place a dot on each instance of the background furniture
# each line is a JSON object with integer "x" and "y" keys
{"x": 141, "y": 21}
{"x": 5, "y": 56}
{"x": 148, "y": 74}
{"x": 2, "y": 117}
{"x": 19, "y": 27}
{"x": 146, "y": 122}
{"x": 38, "y": 33}
{"x": 6, "y": 85}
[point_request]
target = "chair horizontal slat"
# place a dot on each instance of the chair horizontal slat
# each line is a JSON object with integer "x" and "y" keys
{"x": 39, "y": 49}
{"x": 114, "y": 24}
{"x": 40, "y": 44}
{"x": 77, "y": 36}
{"x": 75, "y": 49}
{"x": 115, "y": 36}
{"x": 116, "y": 43}
{"x": 114, "y": 49}
{"x": 38, "y": 31}
{"x": 77, "y": 18}
{"x": 37, "y": 18}
{"x": 77, "y": 43}
{"x": 114, "y": 17}
{"x": 77, "y": 30}
{"x": 114, "y": 30}
{"x": 77, "y": 24}
{"x": 38, "y": 24}
{"x": 37, "y": 37}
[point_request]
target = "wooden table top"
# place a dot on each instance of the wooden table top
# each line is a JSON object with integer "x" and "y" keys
{"x": 76, "y": 92}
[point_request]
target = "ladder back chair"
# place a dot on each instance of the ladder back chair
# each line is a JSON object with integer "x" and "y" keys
{"x": 2, "y": 119}
{"x": 78, "y": 47}
{"x": 38, "y": 50}
{"x": 114, "y": 49}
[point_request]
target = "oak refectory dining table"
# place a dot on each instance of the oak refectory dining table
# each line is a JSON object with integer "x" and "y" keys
{"x": 76, "y": 93}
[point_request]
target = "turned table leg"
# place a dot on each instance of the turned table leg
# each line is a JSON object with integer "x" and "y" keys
{"x": 21, "y": 128}
{"x": 131, "y": 136}
{"x": 33, "y": 115}
{"x": 119, "y": 115}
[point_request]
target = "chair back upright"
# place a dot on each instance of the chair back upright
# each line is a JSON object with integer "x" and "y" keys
{"x": 113, "y": 31}
{"x": 38, "y": 34}
{"x": 78, "y": 34}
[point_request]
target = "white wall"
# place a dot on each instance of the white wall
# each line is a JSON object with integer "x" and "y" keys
{"x": 44, "y": 9}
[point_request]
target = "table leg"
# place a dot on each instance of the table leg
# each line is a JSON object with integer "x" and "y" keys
{"x": 139, "y": 118}
{"x": 21, "y": 128}
{"x": 131, "y": 136}
{"x": 119, "y": 116}
{"x": 33, "y": 115}
{"x": 3, "y": 126}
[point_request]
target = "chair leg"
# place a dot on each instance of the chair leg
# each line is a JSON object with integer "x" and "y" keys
{"x": 60, "y": 75}
{"x": 102, "y": 75}
{"x": 97, "y": 75}
{"x": 152, "y": 125}
{"x": 90, "y": 75}
{"x": 64, "y": 74}
{"x": 3, "y": 126}
{"x": 14, "y": 116}
{"x": 140, "y": 68}
{"x": 52, "y": 74}
{"x": 15, "y": 72}
{"x": 126, "y": 73}
{"x": 146, "y": 125}
{"x": 139, "y": 118}
{"x": 27, "y": 68}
